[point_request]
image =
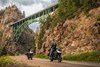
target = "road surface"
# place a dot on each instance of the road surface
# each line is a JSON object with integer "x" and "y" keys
{"x": 46, "y": 63}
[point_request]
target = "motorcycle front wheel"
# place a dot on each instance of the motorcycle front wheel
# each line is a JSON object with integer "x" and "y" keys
{"x": 59, "y": 58}
{"x": 51, "y": 59}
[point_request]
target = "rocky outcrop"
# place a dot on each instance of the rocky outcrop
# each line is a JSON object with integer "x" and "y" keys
{"x": 9, "y": 16}
{"x": 78, "y": 35}
{"x": 26, "y": 40}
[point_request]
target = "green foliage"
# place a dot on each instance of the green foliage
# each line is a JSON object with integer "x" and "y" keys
{"x": 6, "y": 61}
{"x": 42, "y": 56}
{"x": 34, "y": 45}
{"x": 1, "y": 12}
{"x": 1, "y": 34}
{"x": 74, "y": 28}
{"x": 98, "y": 18}
{"x": 4, "y": 52}
{"x": 55, "y": 20}
{"x": 69, "y": 8}
{"x": 45, "y": 23}
{"x": 41, "y": 33}
{"x": 89, "y": 57}
{"x": 40, "y": 38}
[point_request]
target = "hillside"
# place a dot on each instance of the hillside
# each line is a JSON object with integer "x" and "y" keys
{"x": 77, "y": 33}
{"x": 10, "y": 15}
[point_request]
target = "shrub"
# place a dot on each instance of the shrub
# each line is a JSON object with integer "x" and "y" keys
{"x": 45, "y": 23}
{"x": 89, "y": 57}
{"x": 1, "y": 34}
{"x": 42, "y": 56}
{"x": 98, "y": 18}
{"x": 6, "y": 61}
{"x": 1, "y": 12}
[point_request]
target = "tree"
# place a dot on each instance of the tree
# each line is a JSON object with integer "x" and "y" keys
{"x": 69, "y": 8}
{"x": 1, "y": 12}
{"x": 45, "y": 23}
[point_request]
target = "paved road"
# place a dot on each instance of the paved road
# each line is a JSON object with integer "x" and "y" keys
{"x": 46, "y": 63}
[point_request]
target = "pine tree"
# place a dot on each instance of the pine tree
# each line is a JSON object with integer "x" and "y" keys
{"x": 68, "y": 9}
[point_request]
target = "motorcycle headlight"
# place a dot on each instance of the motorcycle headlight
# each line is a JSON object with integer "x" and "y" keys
{"x": 58, "y": 51}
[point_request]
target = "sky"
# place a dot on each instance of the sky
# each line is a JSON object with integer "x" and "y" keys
{"x": 29, "y": 6}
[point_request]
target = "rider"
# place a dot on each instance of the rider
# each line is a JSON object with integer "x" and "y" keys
{"x": 29, "y": 54}
{"x": 53, "y": 47}
{"x": 30, "y": 51}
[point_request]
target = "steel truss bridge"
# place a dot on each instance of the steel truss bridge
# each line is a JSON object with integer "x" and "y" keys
{"x": 21, "y": 25}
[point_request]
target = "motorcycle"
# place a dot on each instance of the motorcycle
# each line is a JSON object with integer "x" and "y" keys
{"x": 29, "y": 55}
{"x": 55, "y": 55}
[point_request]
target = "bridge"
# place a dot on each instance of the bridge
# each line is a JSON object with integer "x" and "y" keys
{"x": 21, "y": 25}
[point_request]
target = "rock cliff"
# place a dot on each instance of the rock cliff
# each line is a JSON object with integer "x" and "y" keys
{"x": 9, "y": 16}
{"x": 78, "y": 35}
